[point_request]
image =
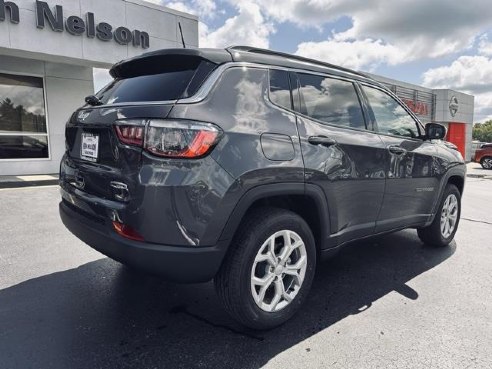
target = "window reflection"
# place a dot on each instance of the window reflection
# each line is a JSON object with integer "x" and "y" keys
{"x": 389, "y": 114}
{"x": 330, "y": 100}
{"x": 23, "y": 147}
{"x": 23, "y": 132}
{"x": 280, "y": 88}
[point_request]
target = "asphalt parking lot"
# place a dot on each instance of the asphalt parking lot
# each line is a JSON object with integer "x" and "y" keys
{"x": 386, "y": 303}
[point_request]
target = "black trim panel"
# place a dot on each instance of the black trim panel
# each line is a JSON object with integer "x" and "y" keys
{"x": 280, "y": 189}
{"x": 178, "y": 264}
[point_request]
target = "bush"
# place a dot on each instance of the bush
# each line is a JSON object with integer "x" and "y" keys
{"x": 483, "y": 131}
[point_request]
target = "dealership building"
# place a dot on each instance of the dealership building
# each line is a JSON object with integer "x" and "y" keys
{"x": 48, "y": 49}
{"x": 452, "y": 109}
{"x": 47, "y": 52}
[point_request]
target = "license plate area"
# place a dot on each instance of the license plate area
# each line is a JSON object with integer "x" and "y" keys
{"x": 89, "y": 146}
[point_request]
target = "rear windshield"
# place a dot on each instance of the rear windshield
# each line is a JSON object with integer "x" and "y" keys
{"x": 144, "y": 84}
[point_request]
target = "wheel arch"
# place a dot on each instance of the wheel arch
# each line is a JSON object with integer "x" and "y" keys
{"x": 308, "y": 201}
{"x": 455, "y": 176}
{"x": 458, "y": 181}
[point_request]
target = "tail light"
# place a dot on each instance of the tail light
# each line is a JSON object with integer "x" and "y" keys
{"x": 130, "y": 134}
{"x": 176, "y": 139}
{"x": 170, "y": 138}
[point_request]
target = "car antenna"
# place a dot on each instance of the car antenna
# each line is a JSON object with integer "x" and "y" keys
{"x": 182, "y": 38}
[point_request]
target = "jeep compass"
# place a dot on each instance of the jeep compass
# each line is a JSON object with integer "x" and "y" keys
{"x": 246, "y": 166}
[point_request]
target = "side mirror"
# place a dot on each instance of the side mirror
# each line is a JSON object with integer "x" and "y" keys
{"x": 435, "y": 131}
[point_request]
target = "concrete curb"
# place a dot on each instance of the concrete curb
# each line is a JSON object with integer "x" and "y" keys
{"x": 27, "y": 181}
{"x": 483, "y": 176}
{"x": 28, "y": 184}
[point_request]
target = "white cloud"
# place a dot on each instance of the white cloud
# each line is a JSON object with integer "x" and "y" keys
{"x": 483, "y": 107}
{"x": 205, "y": 9}
{"x": 485, "y": 46}
{"x": 355, "y": 54}
{"x": 179, "y": 6}
{"x": 444, "y": 22}
{"x": 381, "y": 33}
{"x": 308, "y": 13}
{"x": 424, "y": 28}
{"x": 248, "y": 27}
{"x": 389, "y": 32}
{"x": 471, "y": 74}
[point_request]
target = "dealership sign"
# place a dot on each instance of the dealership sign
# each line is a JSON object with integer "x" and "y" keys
{"x": 418, "y": 107}
{"x": 453, "y": 106}
{"x": 75, "y": 25}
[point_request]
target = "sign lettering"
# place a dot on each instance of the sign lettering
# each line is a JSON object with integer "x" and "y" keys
{"x": 417, "y": 107}
{"x": 13, "y": 10}
{"x": 75, "y": 25}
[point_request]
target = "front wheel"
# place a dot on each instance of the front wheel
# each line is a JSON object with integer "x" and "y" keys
{"x": 486, "y": 162}
{"x": 442, "y": 230}
{"x": 268, "y": 272}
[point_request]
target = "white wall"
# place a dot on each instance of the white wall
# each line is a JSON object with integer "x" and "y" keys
{"x": 65, "y": 88}
{"x": 161, "y": 23}
{"x": 465, "y": 106}
{"x": 464, "y": 114}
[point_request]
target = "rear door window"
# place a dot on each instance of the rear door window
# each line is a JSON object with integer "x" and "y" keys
{"x": 331, "y": 101}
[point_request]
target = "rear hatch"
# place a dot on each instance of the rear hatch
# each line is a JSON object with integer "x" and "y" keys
{"x": 100, "y": 151}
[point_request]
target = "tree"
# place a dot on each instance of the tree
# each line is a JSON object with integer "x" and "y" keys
{"x": 18, "y": 119}
{"x": 483, "y": 131}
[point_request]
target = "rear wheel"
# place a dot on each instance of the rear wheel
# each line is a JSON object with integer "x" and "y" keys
{"x": 268, "y": 272}
{"x": 442, "y": 230}
{"x": 486, "y": 162}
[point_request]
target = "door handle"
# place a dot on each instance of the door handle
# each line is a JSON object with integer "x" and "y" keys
{"x": 397, "y": 150}
{"x": 321, "y": 140}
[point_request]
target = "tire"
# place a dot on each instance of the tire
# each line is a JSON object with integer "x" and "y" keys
{"x": 435, "y": 234}
{"x": 486, "y": 162}
{"x": 234, "y": 282}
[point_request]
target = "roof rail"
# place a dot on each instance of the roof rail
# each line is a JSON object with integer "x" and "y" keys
{"x": 257, "y": 50}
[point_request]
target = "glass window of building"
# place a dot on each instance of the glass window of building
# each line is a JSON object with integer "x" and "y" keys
{"x": 23, "y": 132}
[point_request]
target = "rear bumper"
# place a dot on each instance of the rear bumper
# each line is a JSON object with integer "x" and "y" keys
{"x": 175, "y": 263}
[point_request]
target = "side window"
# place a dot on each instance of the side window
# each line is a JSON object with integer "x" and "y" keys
{"x": 330, "y": 100}
{"x": 280, "y": 88}
{"x": 390, "y": 116}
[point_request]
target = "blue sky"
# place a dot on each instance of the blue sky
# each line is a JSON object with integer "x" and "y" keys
{"x": 438, "y": 43}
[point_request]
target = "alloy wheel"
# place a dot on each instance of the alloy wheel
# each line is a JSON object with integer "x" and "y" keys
{"x": 487, "y": 163}
{"x": 278, "y": 271}
{"x": 449, "y": 215}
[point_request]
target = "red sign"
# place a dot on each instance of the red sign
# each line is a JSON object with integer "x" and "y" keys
{"x": 417, "y": 107}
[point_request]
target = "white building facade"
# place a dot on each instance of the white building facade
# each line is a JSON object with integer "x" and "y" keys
{"x": 47, "y": 52}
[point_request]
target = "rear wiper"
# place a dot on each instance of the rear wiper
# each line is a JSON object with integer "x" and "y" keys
{"x": 93, "y": 100}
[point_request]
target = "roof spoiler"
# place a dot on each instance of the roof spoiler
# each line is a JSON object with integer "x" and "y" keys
{"x": 181, "y": 57}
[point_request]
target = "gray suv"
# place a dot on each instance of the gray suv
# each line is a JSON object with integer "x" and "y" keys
{"x": 246, "y": 166}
